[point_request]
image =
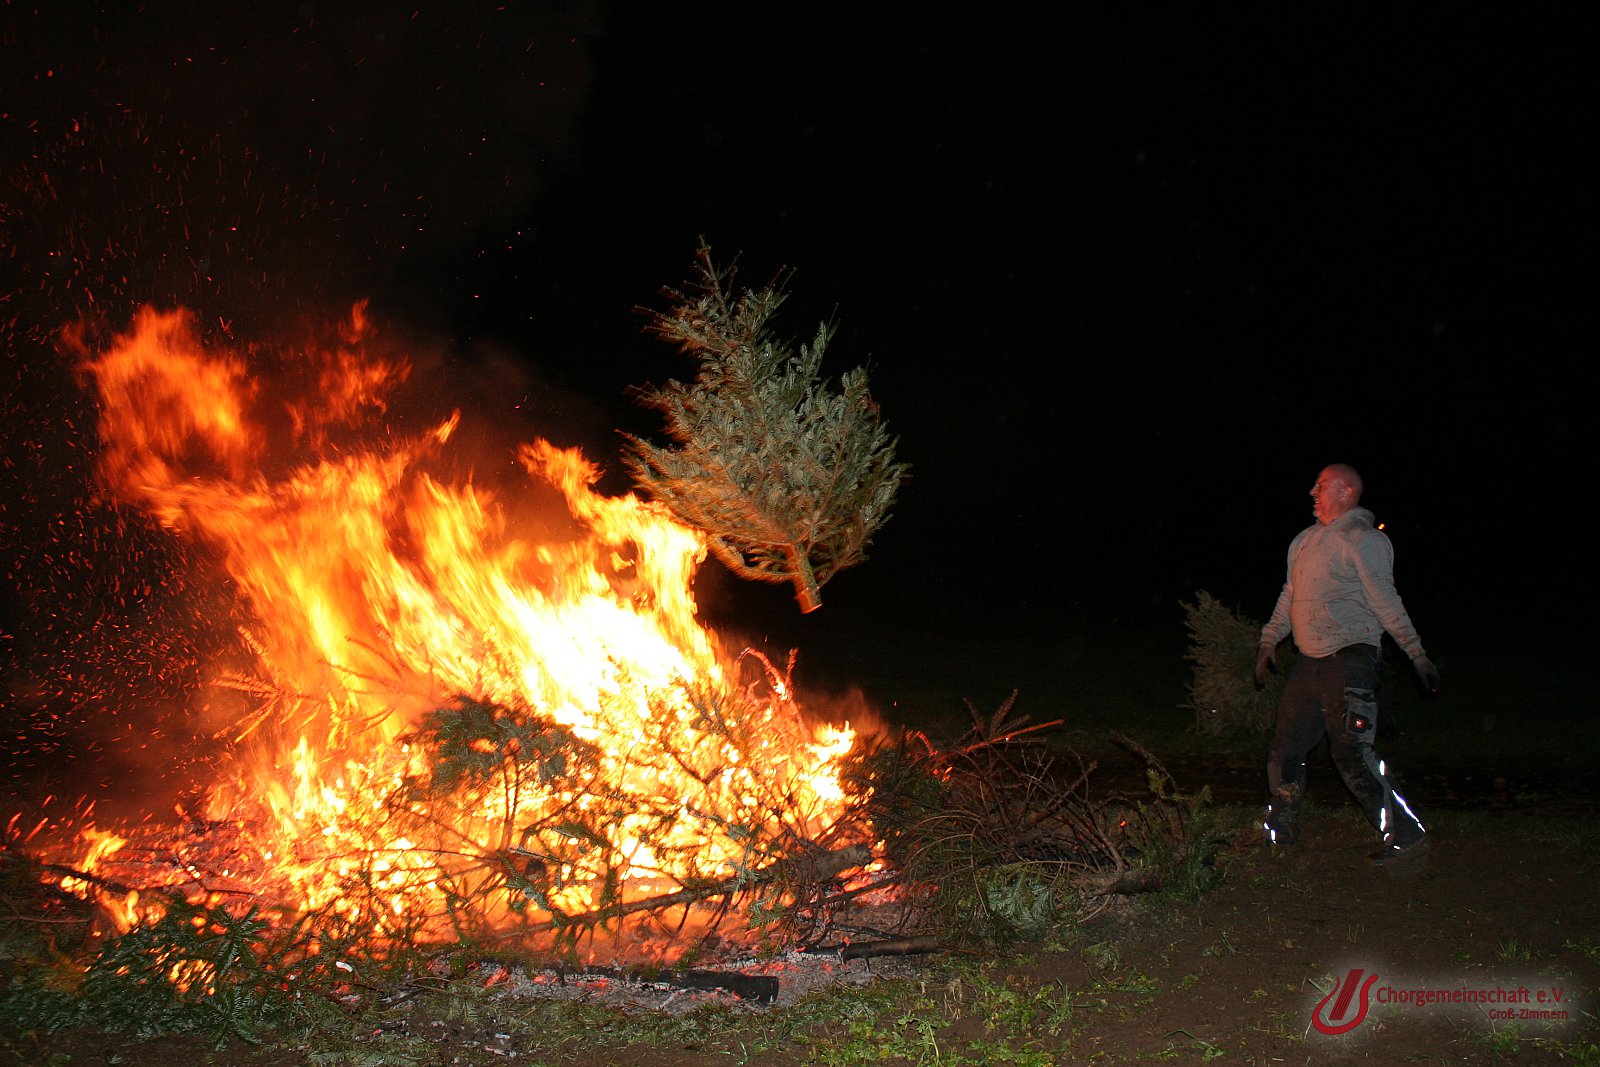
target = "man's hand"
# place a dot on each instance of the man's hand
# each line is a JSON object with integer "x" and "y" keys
{"x": 1266, "y": 661}
{"x": 1429, "y": 675}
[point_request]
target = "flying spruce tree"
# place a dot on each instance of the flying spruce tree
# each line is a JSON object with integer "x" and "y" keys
{"x": 787, "y": 479}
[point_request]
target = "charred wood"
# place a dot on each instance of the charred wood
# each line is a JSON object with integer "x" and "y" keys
{"x": 758, "y": 987}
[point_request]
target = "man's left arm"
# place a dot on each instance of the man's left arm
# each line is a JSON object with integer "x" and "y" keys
{"x": 1375, "y": 564}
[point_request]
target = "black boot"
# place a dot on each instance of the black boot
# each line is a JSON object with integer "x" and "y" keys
{"x": 1281, "y": 826}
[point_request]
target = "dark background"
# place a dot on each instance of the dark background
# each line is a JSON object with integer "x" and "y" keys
{"x": 1125, "y": 278}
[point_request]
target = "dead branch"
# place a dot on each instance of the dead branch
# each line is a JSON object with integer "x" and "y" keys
{"x": 802, "y": 870}
{"x": 857, "y": 891}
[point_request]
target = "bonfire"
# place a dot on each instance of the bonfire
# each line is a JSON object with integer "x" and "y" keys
{"x": 461, "y": 714}
{"x": 448, "y": 724}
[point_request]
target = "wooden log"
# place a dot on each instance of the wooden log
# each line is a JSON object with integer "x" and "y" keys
{"x": 899, "y": 946}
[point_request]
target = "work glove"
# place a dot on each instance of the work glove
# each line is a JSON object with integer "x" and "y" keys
{"x": 1429, "y": 675}
{"x": 1266, "y": 661}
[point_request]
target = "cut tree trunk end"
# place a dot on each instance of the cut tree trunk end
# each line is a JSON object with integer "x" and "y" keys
{"x": 806, "y": 589}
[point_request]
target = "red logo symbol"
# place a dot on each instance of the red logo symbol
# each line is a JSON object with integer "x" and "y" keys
{"x": 1340, "y": 1019}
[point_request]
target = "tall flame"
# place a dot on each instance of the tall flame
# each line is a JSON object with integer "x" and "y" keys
{"x": 383, "y": 591}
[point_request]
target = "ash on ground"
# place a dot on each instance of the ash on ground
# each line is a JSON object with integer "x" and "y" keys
{"x": 743, "y": 985}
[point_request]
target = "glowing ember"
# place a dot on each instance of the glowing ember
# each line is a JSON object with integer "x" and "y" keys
{"x": 446, "y": 708}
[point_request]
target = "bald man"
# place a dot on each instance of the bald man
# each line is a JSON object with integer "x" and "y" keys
{"x": 1338, "y": 602}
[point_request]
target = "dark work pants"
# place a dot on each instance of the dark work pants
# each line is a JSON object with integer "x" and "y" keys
{"x": 1336, "y": 695}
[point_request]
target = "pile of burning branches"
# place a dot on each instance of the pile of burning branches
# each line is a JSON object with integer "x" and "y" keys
{"x": 496, "y": 832}
{"x": 987, "y": 841}
{"x": 496, "y": 824}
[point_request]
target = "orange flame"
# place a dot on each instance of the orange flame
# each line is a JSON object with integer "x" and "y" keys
{"x": 382, "y": 590}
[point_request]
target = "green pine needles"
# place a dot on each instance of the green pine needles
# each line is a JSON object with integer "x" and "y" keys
{"x": 788, "y": 479}
{"x": 197, "y": 970}
{"x": 1222, "y": 692}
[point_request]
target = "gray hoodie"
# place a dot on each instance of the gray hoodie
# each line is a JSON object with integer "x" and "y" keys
{"x": 1341, "y": 591}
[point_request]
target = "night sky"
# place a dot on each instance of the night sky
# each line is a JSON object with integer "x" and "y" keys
{"x": 1124, "y": 281}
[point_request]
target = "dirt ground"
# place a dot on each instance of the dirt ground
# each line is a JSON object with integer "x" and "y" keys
{"x": 1242, "y": 971}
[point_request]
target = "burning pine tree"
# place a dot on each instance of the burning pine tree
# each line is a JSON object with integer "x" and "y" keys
{"x": 788, "y": 480}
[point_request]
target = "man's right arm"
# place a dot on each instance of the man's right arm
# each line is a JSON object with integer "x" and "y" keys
{"x": 1276, "y": 629}
{"x": 1279, "y": 625}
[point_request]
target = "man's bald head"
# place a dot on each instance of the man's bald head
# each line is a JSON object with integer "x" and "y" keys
{"x": 1347, "y": 474}
{"x": 1338, "y": 489}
